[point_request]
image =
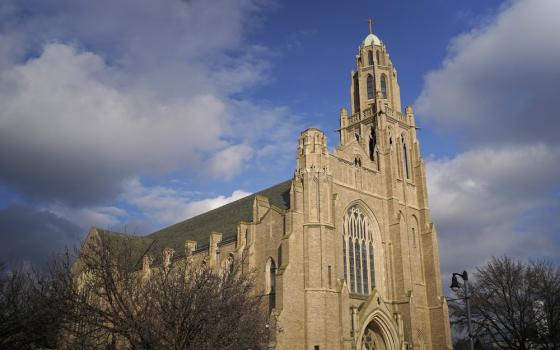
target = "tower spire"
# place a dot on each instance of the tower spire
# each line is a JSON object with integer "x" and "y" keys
{"x": 370, "y": 22}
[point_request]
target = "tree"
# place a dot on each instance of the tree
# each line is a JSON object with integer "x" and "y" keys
{"x": 175, "y": 306}
{"x": 31, "y": 311}
{"x": 514, "y": 305}
{"x": 545, "y": 279}
{"x": 103, "y": 301}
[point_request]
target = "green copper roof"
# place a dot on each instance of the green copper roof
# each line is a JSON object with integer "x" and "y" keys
{"x": 223, "y": 219}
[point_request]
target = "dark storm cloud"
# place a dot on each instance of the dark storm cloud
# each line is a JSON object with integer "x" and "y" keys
{"x": 31, "y": 236}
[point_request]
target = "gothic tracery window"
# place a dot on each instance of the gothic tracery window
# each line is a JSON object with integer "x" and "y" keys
{"x": 358, "y": 251}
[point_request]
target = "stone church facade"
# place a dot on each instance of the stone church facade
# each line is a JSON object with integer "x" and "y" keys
{"x": 346, "y": 250}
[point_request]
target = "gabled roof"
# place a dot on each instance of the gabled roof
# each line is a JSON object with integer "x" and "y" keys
{"x": 223, "y": 219}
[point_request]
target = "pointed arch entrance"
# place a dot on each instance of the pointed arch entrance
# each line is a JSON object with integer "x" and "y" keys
{"x": 373, "y": 338}
{"x": 379, "y": 332}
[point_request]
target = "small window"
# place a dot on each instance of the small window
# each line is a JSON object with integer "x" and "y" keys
{"x": 370, "y": 58}
{"x": 377, "y": 56}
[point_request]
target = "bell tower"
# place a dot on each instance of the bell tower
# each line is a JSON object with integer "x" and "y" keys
{"x": 374, "y": 91}
{"x": 374, "y": 82}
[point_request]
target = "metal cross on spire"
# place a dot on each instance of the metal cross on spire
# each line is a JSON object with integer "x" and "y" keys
{"x": 370, "y": 22}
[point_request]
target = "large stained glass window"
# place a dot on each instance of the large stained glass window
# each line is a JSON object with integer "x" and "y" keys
{"x": 357, "y": 245}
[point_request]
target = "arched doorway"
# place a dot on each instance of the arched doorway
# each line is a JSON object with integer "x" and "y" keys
{"x": 373, "y": 338}
{"x": 379, "y": 333}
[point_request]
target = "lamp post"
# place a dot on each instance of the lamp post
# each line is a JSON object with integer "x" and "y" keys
{"x": 455, "y": 286}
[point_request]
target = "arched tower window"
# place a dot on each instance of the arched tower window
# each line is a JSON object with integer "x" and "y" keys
{"x": 372, "y": 143}
{"x": 384, "y": 85}
{"x": 271, "y": 283}
{"x": 227, "y": 265}
{"x": 357, "y": 244}
{"x": 356, "y": 94}
{"x": 377, "y": 56}
{"x": 405, "y": 159}
{"x": 369, "y": 87}
{"x": 370, "y": 57}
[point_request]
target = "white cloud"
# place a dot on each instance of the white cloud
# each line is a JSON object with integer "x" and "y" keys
{"x": 167, "y": 205}
{"x": 500, "y": 81}
{"x": 479, "y": 200}
{"x": 62, "y": 119}
{"x": 228, "y": 162}
{"x": 93, "y": 93}
{"x": 101, "y": 216}
{"x": 498, "y": 87}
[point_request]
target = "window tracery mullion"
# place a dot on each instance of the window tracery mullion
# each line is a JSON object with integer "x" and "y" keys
{"x": 365, "y": 271}
{"x": 357, "y": 253}
{"x": 352, "y": 273}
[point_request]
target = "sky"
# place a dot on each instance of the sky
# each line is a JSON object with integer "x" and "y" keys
{"x": 132, "y": 115}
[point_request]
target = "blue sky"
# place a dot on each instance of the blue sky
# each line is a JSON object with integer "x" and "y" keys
{"x": 133, "y": 115}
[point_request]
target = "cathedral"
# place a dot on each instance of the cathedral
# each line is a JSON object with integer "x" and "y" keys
{"x": 345, "y": 251}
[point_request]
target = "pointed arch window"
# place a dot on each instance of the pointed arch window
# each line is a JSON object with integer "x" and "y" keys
{"x": 383, "y": 85}
{"x": 271, "y": 283}
{"x": 356, "y": 94}
{"x": 370, "y": 57}
{"x": 227, "y": 265}
{"x": 405, "y": 159}
{"x": 372, "y": 143}
{"x": 369, "y": 87}
{"x": 377, "y": 56}
{"x": 357, "y": 245}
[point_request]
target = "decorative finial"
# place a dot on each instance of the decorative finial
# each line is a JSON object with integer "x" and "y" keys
{"x": 370, "y": 22}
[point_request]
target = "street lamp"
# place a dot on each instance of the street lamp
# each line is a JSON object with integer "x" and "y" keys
{"x": 455, "y": 286}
